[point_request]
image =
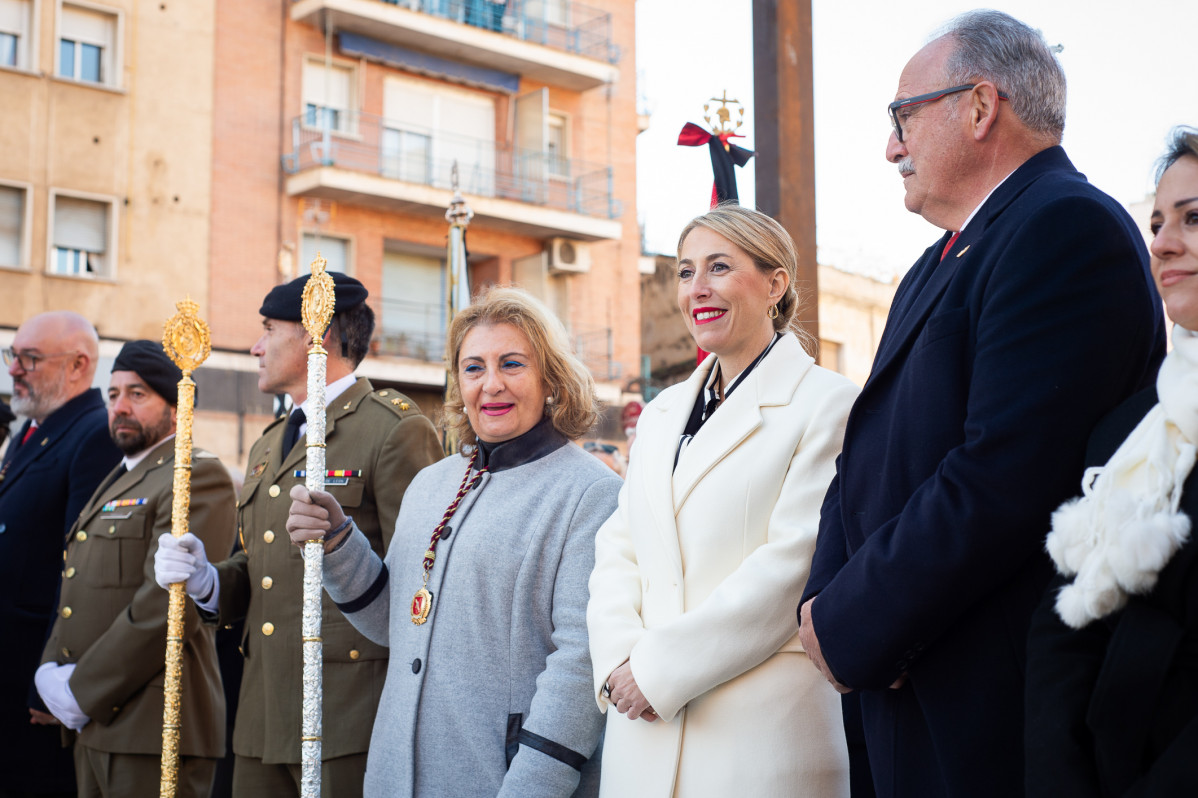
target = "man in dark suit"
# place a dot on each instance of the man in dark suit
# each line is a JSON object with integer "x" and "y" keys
{"x": 376, "y": 441}
{"x": 1027, "y": 321}
{"x": 52, "y": 465}
{"x": 102, "y": 671}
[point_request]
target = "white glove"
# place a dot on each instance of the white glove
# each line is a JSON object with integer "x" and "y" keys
{"x": 53, "y": 685}
{"x": 183, "y": 559}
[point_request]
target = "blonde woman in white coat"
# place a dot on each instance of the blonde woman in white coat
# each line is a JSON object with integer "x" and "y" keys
{"x": 693, "y": 632}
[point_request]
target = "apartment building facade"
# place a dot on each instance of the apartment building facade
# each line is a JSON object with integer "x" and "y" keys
{"x": 211, "y": 148}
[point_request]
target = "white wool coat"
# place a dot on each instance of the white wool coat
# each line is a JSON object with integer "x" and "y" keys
{"x": 697, "y": 581}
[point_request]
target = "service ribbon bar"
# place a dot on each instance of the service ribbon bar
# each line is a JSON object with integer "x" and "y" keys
{"x": 332, "y": 472}
{"x": 107, "y": 508}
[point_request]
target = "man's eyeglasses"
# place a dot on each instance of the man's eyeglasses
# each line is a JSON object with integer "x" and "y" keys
{"x": 898, "y": 105}
{"x": 28, "y": 360}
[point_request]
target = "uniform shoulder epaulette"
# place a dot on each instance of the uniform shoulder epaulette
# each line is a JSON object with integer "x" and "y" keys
{"x": 280, "y": 420}
{"x": 395, "y": 401}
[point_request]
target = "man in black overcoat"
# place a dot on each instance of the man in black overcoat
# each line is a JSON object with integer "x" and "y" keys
{"x": 1028, "y": 320}
{"x": 52, "y": 466}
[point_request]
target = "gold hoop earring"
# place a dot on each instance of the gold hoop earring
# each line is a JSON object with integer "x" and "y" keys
{"x": 772, "y": 312}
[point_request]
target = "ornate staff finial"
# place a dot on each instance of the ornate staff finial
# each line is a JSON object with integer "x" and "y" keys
{"x": 185, "y": 337}
{"x": 459, "y": 213}
{"x": 723, "y": 124}
{"x": 318, "y": 300}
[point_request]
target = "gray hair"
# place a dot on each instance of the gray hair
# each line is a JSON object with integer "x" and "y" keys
{"x": 1181, "y": 142}
{"x": 991, "y": 45}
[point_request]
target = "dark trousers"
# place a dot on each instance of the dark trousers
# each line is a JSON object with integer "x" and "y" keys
{"x": 339, "y": 778}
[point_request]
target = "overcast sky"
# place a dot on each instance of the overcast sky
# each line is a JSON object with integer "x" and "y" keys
{"x": 1131, "y": 70}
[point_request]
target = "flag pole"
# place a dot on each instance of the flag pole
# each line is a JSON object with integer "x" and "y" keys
{"x": 457, "y": 279}
{"x": 186, "y": 340}
{"x": 319, "y": 301}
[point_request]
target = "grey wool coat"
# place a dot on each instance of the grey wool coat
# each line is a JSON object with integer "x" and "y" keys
{"x": 492, "y": 695}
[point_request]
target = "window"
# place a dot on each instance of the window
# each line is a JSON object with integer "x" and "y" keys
{"x": 413, "y": 317}
{"x": 831, "y": 355}
{"x": 334, "y": 250}
{"x": 81, "y": 234}
{"x": 430, "y": 126}
{"x": 407, "y": 155}
{"x": 329, "y": 100}
{"x": 12, "y": 226}
{"x": 556, "y": 145}
{"x": 86, "y": 44}
{"x": 14, "y": 33}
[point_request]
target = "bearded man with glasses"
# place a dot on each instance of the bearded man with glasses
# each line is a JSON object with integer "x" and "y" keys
{"x": 53, "y": 464}
{"x": 1029, "y": 319}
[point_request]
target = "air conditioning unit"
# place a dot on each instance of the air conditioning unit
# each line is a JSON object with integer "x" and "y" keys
{"x": 568, "y": 256}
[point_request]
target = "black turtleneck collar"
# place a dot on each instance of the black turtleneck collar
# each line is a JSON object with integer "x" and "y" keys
{"x": 541, "y": 440}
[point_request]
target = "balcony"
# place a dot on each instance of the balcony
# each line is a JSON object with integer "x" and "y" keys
{"x": 556, "y": 42}
{"x": 361, "y": 159}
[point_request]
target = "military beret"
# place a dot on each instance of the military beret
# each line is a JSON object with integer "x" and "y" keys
{"x": 148, "y": 360}
{"x": 285, "y": 302}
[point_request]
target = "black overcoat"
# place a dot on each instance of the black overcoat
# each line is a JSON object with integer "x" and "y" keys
{"x": 1112, "y": 708}
{"x": 46, "y": 482}
{"x": 995, "y": 365}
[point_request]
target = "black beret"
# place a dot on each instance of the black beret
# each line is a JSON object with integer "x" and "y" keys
{"x": 285, "y": 302}
{"x": 148, "y": 360}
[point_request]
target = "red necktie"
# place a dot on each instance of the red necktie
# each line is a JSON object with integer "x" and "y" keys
{"x": 952, "y": 240}
{"x": 29, "y": 433}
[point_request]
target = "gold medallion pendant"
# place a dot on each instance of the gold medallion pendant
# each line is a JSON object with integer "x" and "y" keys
{"x": 422, "y": 602}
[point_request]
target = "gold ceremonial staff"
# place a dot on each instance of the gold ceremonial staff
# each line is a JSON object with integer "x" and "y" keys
{"x": 317, "y": 312}
{"x": 186, "y": 340}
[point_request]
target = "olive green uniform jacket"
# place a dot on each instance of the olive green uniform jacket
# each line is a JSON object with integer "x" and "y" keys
{"x": 382, "y": 440}
{"x": 112, "y": 614}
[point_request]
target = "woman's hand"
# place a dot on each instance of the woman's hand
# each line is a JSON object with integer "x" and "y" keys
{"x": 626, "y": 695}
{"x": 313, "y": 515}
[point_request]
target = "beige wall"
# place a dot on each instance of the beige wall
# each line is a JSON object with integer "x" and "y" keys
{"x": 852, "y": 315}
{"x": 144, "y": 144}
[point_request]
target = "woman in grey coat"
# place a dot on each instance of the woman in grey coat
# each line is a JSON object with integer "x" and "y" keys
{"x": 482, "y": 597}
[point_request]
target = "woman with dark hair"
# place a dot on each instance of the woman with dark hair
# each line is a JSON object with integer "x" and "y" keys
{"x": 1112, "y": 691}
{"x": 482, "y": 596}
{"x": 694, "y": 632}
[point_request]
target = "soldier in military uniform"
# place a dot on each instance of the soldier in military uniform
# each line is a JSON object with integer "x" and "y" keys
{"x": 376, "y": 442}
{"x": 103, "y": 666}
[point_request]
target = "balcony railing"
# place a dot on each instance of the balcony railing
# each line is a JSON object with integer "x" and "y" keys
{"x": 370, "y": 144}
{"x": 560, "y": 24}
{"x": 417, "y": 330}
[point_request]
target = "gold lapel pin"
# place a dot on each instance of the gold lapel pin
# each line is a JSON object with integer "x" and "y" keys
{"x": 962, "y": 252}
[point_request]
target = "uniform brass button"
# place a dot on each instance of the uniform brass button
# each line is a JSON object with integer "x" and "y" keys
{"x": 66, "y": 612}
{"x": 268, "y": 628}
{"x": 267, "y": 582}
{"x": 268, "y": 536}
{"x": 112, "y": 530}
{"x": 66, "y": 652}
{"x": 116, "y": 709}
{"x": 383, "y": 393}
{"x": 71, "y": 572}
{"x": 274, "y": 491}
{"x": 354, "y": 653}
{"x": 81, "y": 536}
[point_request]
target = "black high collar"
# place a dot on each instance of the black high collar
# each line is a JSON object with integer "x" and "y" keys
{"x": 541, "y": 440}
